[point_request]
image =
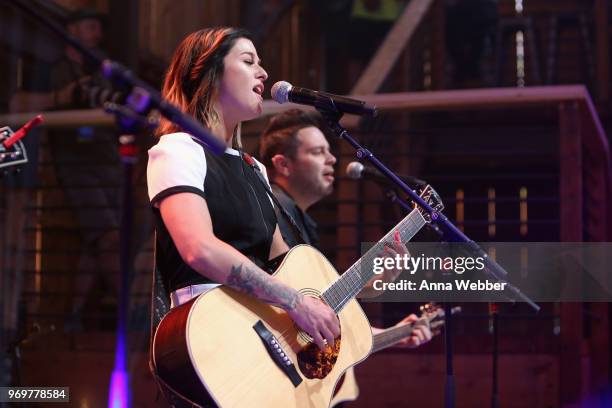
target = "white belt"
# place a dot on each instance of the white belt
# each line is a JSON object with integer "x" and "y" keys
{"x": 183, "y": 295}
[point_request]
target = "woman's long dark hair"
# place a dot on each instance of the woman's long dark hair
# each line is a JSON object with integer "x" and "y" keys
{"x": 193, "y": 78}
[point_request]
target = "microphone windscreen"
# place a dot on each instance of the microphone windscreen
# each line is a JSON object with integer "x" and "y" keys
{"x": 354, "y": 170}
{"x": 280, "y": 91}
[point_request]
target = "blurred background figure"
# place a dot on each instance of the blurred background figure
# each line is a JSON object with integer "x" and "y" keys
{"x": 86, "y": 161}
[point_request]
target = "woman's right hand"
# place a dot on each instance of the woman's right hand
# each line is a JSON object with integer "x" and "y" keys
{"x": 74, "y": 93}
{"x": 317, "y": 319}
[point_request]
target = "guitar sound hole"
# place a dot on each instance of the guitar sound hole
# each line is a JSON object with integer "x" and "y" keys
{"x": 315, "y": 363}
{"x": 302, "y": 335}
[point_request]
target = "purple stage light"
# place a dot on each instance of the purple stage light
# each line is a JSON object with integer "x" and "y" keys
{"x": 119, "y": 390}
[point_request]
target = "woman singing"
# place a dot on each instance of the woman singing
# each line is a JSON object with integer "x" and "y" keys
{"x": 215, "y": 222}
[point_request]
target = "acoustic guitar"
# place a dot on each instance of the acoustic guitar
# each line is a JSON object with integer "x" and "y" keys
{"x": 230, "y": 349}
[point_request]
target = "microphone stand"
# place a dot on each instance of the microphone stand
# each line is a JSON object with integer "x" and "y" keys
{"x": 494, "y": 326}
{"x": 449, "y": 390}
{"x": 493, "y": 321}
{"x": 451, "y": 234}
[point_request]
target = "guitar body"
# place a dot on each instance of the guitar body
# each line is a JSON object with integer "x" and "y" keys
{"x": 207, "y": 349}
{"x": 348, "y": 390}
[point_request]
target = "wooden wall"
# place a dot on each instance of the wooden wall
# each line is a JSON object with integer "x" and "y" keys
{"x": 164, "y": 23}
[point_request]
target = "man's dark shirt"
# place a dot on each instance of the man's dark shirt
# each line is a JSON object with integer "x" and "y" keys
{"x": 306, "y": 225}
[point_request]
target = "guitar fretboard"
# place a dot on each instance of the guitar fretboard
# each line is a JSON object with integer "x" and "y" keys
{"x": 390, "y": 336}
{"x": 355, "y": 278}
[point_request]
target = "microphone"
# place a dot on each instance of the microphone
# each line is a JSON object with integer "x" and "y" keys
{"x": 22, "y": 132}
{"x": 283, "y": 92}
{"x": 356, "y": 170}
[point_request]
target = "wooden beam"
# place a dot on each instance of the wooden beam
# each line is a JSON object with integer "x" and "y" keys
{"x": 475, "y": 98}
{"x": 462, "y": 99}
{"x": 393, "y": 45}
{"x": 67, "y": 118}
{"x": 410, "y": 101}
{"x": 570, "y": 171}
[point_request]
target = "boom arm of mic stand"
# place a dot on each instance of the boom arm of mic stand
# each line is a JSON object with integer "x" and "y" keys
{"x": 452, "y": 233}
{"x": 123, "y": 76}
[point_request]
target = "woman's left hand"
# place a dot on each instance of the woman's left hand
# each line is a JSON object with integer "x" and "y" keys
{"x": 420, "y": 335}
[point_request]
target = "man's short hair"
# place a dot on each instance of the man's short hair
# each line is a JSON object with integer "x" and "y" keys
{"x": 280, "y": 137}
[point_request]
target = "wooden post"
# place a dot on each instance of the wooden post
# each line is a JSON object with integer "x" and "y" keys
{"x": 570, "y": 191}
{"x": 438, "y": 46}
{"x": 597, "y": 210}
{"x": 602, "y": 43}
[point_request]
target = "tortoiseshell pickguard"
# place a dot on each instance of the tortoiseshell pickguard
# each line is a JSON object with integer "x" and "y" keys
{"x": 315, "y": 363}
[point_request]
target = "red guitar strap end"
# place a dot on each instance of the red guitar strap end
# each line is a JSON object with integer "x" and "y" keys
{"x": 249, "y": 159}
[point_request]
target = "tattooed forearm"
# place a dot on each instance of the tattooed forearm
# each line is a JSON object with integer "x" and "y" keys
{"x": 237, "y": 281}
{"x": 259, "y": 284}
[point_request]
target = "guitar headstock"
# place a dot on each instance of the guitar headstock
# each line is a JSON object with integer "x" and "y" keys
{"x": 15, "y": 155}
{"x": 431, "y": 197}
{"x": 431, "y": 311}
{"x": 434, "y": 314}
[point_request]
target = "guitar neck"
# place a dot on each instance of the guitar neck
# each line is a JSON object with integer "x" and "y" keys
{"x": 390, "y": 336}
{"x": 393, "y": 335}
{"x": 357, "y": 276}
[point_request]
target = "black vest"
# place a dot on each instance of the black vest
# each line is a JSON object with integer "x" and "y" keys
{"x": 241, "y": 213}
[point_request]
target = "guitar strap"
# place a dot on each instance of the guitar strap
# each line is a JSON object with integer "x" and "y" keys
{"x": 295, "y": 230}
